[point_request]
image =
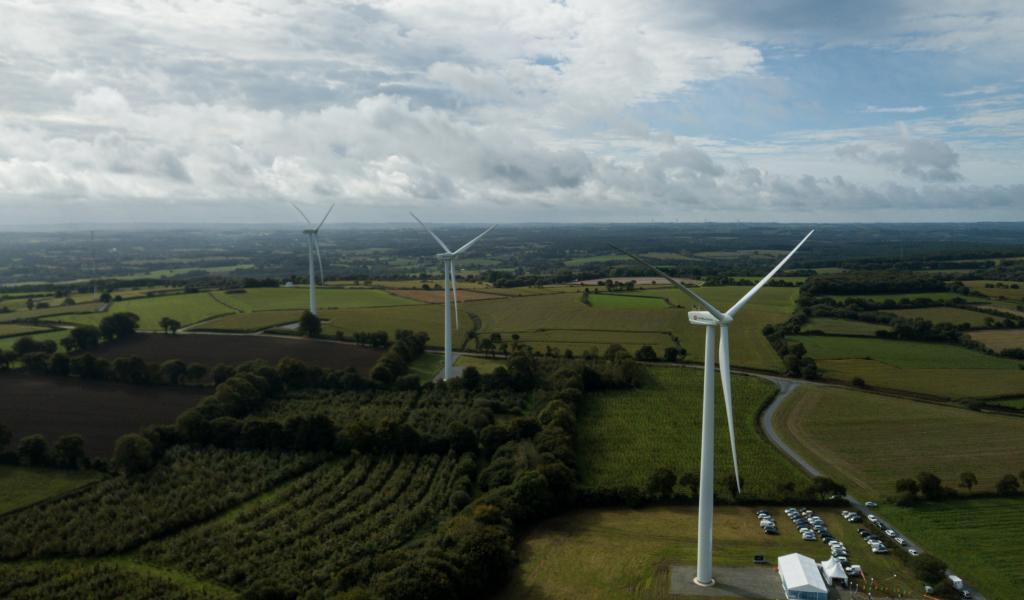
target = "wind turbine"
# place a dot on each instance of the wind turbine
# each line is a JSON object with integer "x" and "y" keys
{"x": 448, "y": 258}
{"x": 711, "y": 319}
{"x": 313, "y": 243}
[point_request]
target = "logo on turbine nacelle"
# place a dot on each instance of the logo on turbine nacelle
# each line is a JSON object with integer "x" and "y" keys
{"x": 702, "y": 317}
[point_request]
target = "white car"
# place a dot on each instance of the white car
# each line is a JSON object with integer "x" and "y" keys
{"x": 900, "y": 541}
{"x": 913, "y": 552}
{"x": 879, "y": 549}
{"x": 809, "y": 536}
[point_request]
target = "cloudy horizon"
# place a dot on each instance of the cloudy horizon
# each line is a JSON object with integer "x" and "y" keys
{"x": 532, "y": 111}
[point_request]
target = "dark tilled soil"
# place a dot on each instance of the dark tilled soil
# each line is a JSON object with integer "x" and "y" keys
{"x": 98, "y": 411}
{"x": 232, "y": 349}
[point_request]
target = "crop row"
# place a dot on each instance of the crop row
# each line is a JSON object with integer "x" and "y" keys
{"x": 122, "y": 512}
{"x": 56, "y": 581}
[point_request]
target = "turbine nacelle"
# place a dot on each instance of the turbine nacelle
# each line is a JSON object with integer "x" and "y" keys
{"x": 706, "y": 319}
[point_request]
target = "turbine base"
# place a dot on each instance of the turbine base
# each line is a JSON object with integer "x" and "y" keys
{"x": 697, "y": 581}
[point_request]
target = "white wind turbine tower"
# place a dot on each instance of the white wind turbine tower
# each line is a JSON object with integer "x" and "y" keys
{"x": 313, "y": 243}
{"x": 448, "y": 258}
{"x": 712, "y": 318}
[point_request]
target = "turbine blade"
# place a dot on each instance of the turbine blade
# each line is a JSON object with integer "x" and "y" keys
{"x": 473, "y": 241}
{"x": 711, "y": 309}
{"x": 301, "y": 213}
{"x": 324, "y": 219}
{"x": 316, "y": 244}
{"x": 431, "y": 233}
{"x": 724, "y": 370}
{"x": 455, "y": 292}
{"x": 760, "y": 284}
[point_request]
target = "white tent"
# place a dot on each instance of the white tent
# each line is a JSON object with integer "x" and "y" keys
{"x": 801, "y": 579}
{"x": 833, "y": 570}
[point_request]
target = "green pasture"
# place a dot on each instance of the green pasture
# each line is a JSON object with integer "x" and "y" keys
{"x": 9, "y": 329}
{"x": 998, "y": 292}
{"x": 583, "y": 340}
{"x": 7, "y": 343}
{"x": 624, "y": 436}
{"x": 21, "y": 486}
{"x": 1017, "y": 403}
{"x": 843, "y": 326}
{"x": 45, "y": 313}
{"x": 901, "y": 354}
{"x": 1000, "y": 339}
{"x": 251, "y": 321}
{"x": 620, "y": 301}
{"x": 484, "y": 365}
{"x": 869, "y": 441}
{"x": 415, "y": 316}
{"x": 297, "y": 298}
{"x": 982, "y": 540}
{"x": 621, "y": 553}
{"x": 185, "y": 308}
{"x": 427, "y": 366}
{"x": 945, "y": 314}
{"x": 944, "y": 382}
{"x": 908, "y": 296}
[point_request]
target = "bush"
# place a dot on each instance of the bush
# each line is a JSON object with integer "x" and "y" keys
{"x": 1009, "y": 485}
{"x": 928, "y": 568}
{"x": 33, "y": 451}
{"x": 133, "y": 454}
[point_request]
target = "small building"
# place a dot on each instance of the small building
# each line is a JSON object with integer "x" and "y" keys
{"x": 801, "y": 579}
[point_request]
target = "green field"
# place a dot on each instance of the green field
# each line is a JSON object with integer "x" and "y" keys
{"x": 484, "y": 365}
{"x": 186, "y": 308}
{"x": 623, "y": 436}
{"x": 843, "y": 326}
{"x": 868, "y": 441}
{"x": 251, "y": 321}
{"x": 621, "y": 553}
{"x": 1000, "y": 339}
{"x": 427, "y": 366}
{"x": 417, "y": 317}
{"x": 9, "y": 329}
{"x": 620, "y": 301}
{"x": 997, "y": 292}
{"x": 255, "y": 299}
{"x": 583, "y": 340}
{"x": 904, "y": 355}
{"x": 982, "y": 540}
{"x": 908, "y": 296}
{"x": 40, "y": 313}
{"x": 945, "y": 314}
{"x": 1017, "y": 403}
{"x": 21, "y": 486}
{"x": 57, "y": 335}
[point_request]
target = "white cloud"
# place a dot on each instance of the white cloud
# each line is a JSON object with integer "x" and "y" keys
{"x": 895, "y": 109}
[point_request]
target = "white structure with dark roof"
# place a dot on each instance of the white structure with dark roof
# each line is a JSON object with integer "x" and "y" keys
{"x": 801, "y": 579}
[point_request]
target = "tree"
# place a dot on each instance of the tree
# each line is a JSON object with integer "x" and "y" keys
{"x": 172, "y": 371}
{"x": 84, "y": 337}
{"x": 691, "y": 481}
{"x": 131, "y": 369}
{"x": 169, "y": 324}
{"x": 907, "y": 486}
{"x": 195, "y": 372}
{"x": 646, "y": 353}
{"x": 660, "y": 483}
{"x": 33, "y": 451}
{"x": 470, "y": 378}
{"x": 671, "y": 354}
{"x": 69, "y": 451}
{"x": 928, "y": 568}
{"x": 119, "y": 325}
{"x": 968, "y": 480}
{"x": 133, "y": 454}
{"x": 930, "y": 484}
{"x": 5, "y": 437}
{"x": 1009, "y": 485}
{"x": 825, "y": 488}
{"x": 105, "y": 297}
{"x": 487, "y": 347}
{"x": 309, "y": 324}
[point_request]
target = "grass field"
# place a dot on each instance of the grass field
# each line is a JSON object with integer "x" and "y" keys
{"x": 9, "y": 329}
{"x": 427, "y": 366}
{"x": 1017, "y": 403}
{"x": 186, "y": 308}
{"x": 623, "y": 436}
{"x": 982, "y": 540}
{"x": 417, "y": 317}
{"x": 484, "y": 365}
{"x": 622, "y": 553}
{"x": 908, "y": 296}
{"x": 997, "y": 292}
{"x": 583, "y": 340}
{"x": 1000, "y": 339}
{"x": 905, "y": 355}
{"x": 944, "y": 314}
{"x": 251, "y": 321}
{"x": 7, "y": 343}
{"x": 437, "y": 296}
{"x": 41, "y": 313}
{"x": 620, "y": 301}
{"x": 21, "y": 486}
{"x": 298, "y": 298}
{"x": 868, "y": 441}
{"x": 843, "y": 327}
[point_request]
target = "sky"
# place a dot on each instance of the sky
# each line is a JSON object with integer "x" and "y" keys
{"x": 510, "y": 111}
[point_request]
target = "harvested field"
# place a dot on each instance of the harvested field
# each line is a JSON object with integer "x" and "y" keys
{"x": 1000, "y": 339}
{"x": 437, "y": 296}
{"x": 210, "y": 349}
{"x": 98, "y": 411}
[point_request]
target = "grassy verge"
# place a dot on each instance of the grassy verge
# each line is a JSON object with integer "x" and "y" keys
{"x": 21, "y": 486}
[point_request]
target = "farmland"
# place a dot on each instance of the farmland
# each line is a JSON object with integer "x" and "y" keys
{"x": 619, "y": 301}
{"x": 901, "y": 354}
{"x": 852, "y": 435}
{"x": 1000, "y": 339}
{"x": 21, "y": 486}
{"x": 897, "y": 298}
{"x": 99, "y": 412}
{"x": 15, "y": 329}
{"x": 213, "y": 349}
{"x": 417, "y": 317}
{"x": 945, "y": 314}
{"x": 615, "y": 553}
{"x": 186, "y": 308}
{"x": 256, "y": 299}
{"x": 991, "y": 528}
{"x": 437, "y": 296}
{"x": 843, "y": 327}
{"x": 1007, "y": 292}
{"x": 6, "y": 343}
{"x": 623, "y": 436}
{"x": 251, "y": 321}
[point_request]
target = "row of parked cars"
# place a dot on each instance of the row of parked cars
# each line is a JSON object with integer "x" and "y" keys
{"x": 767, "y": 522}
{"x": 876, "y": 542}
{"x": 812, "y": 527}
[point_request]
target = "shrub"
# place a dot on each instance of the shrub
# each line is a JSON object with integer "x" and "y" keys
{"x": 133, "y": 454}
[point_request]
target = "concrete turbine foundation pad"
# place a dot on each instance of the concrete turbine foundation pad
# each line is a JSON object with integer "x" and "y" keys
{"x": 730, "y": 582}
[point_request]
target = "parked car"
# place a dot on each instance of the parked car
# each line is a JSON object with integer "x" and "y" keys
{"x": 871, "y": 504}
{"x": 913, "y": 552}
{"x": 809, "y": 536}
{"x": 900, "y": 541}
{"x": 853, "y": 570}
